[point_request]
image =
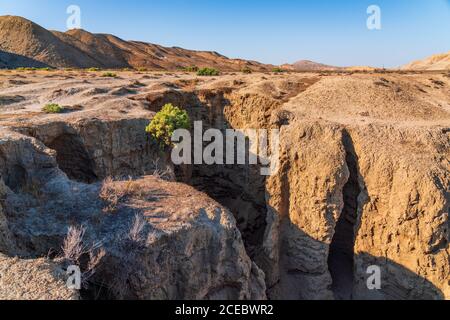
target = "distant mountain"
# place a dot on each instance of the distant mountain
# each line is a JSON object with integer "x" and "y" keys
{"x": 436, "y": 62}
{"x": 24, "y": 43}
{"x": 306, "y": 65}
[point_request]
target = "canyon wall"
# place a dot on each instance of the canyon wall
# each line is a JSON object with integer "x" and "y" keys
{"x": 363, "y": 182}
{"x": 347, "y": 197}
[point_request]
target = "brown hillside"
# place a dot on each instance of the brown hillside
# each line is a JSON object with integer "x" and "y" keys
{"x": 81, "y": 49}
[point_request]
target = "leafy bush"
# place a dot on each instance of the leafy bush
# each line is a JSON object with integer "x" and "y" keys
{"x": 278, "y": 70}
{"x": 247, "y": 70}
{"x": 142, "y": 69}
{"x": 191, "y": 69}
{"x": 165, "y": 122}
{"x": 33, "y": 69}
{"x": 109, "y": 75}
{"x": 53, "y": 108}
{"x": 94, "y": 69}
{"x": 208, "y": 72}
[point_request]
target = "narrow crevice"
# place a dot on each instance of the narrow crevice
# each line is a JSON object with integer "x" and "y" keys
{"x": 341, "y": 256}
{"x": 239, "y": 188}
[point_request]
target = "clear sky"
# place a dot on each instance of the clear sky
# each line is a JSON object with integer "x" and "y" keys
{"x": 271, "y": 31}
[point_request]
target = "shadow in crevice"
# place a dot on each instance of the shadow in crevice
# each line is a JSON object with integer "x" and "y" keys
{"x": 341, "y": 257}
{"x": 302, "y": 273}
{"x": 238, "y": 187}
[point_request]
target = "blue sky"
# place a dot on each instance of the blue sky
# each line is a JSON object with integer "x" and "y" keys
{"x": 270, "y": 31}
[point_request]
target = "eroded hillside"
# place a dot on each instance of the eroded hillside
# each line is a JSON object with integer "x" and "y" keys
{"x": 363, "y": 181}
{"x": 26, "y": 44}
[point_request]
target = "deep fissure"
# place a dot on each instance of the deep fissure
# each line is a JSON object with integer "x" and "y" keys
{"x": 240, "y": 188}
{"x": 341, "y": 256}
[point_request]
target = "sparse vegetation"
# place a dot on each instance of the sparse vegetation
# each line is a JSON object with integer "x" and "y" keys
{"x": 162, "y": 174}
{"x": 135, "y": 233}
{"x": 94, "y": 69}
{"x": 208, "y": 72}
{"x": 33, "y": 69}
{"x": 247, "y": 70}
{"x": 114, "y": 192}
{"x": 73, "y": 248}
{"x": 131, "y": 247}
{"x": 278, "y": 70}
{"x": 53, "y": 108}
{"x": 109, "y": 75}
{"x": 165, "y": 122}
{"x": 191, "y": 69}
{"x": 142, "y": 69}
{"x": 74, "y": 251}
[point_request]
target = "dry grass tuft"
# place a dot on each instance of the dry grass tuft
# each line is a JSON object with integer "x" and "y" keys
{"x": 73, "y": 247}
{"x": 163, "y": 174}
{"x": 114, "y": 192}
{"x": 137, "y": 228}
{"x": 73, "y": 251}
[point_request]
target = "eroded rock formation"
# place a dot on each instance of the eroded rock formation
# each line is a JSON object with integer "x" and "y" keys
{"x": 363, "y": 181}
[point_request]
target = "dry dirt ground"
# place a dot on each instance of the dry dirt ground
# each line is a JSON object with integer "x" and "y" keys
{"x": 363, "y": 180}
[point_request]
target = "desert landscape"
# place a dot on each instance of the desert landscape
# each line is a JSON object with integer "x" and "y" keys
{"x": 364, "y": 175}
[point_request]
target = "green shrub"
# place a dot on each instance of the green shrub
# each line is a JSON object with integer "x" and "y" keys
{"x": 142, "y": 69}
{"x": 32, "y": 69}
{"x": 165, "y": 122}
{"x": 247, "y": 70}
{"x": 109, "y": 75}
{"x": 278, "y": 70}
{"x": 191, "y": 69}
{"x": 94, "y": 69}
{"x": 208, "y": 72}
{"x": 53, "y": 108}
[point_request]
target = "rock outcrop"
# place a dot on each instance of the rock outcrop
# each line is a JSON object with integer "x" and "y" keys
{"x": 183, "y": 232}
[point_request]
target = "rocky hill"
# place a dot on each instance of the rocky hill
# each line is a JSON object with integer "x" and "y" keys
{"x": 307, "y": 65}
{"x": 26, "y": 44}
